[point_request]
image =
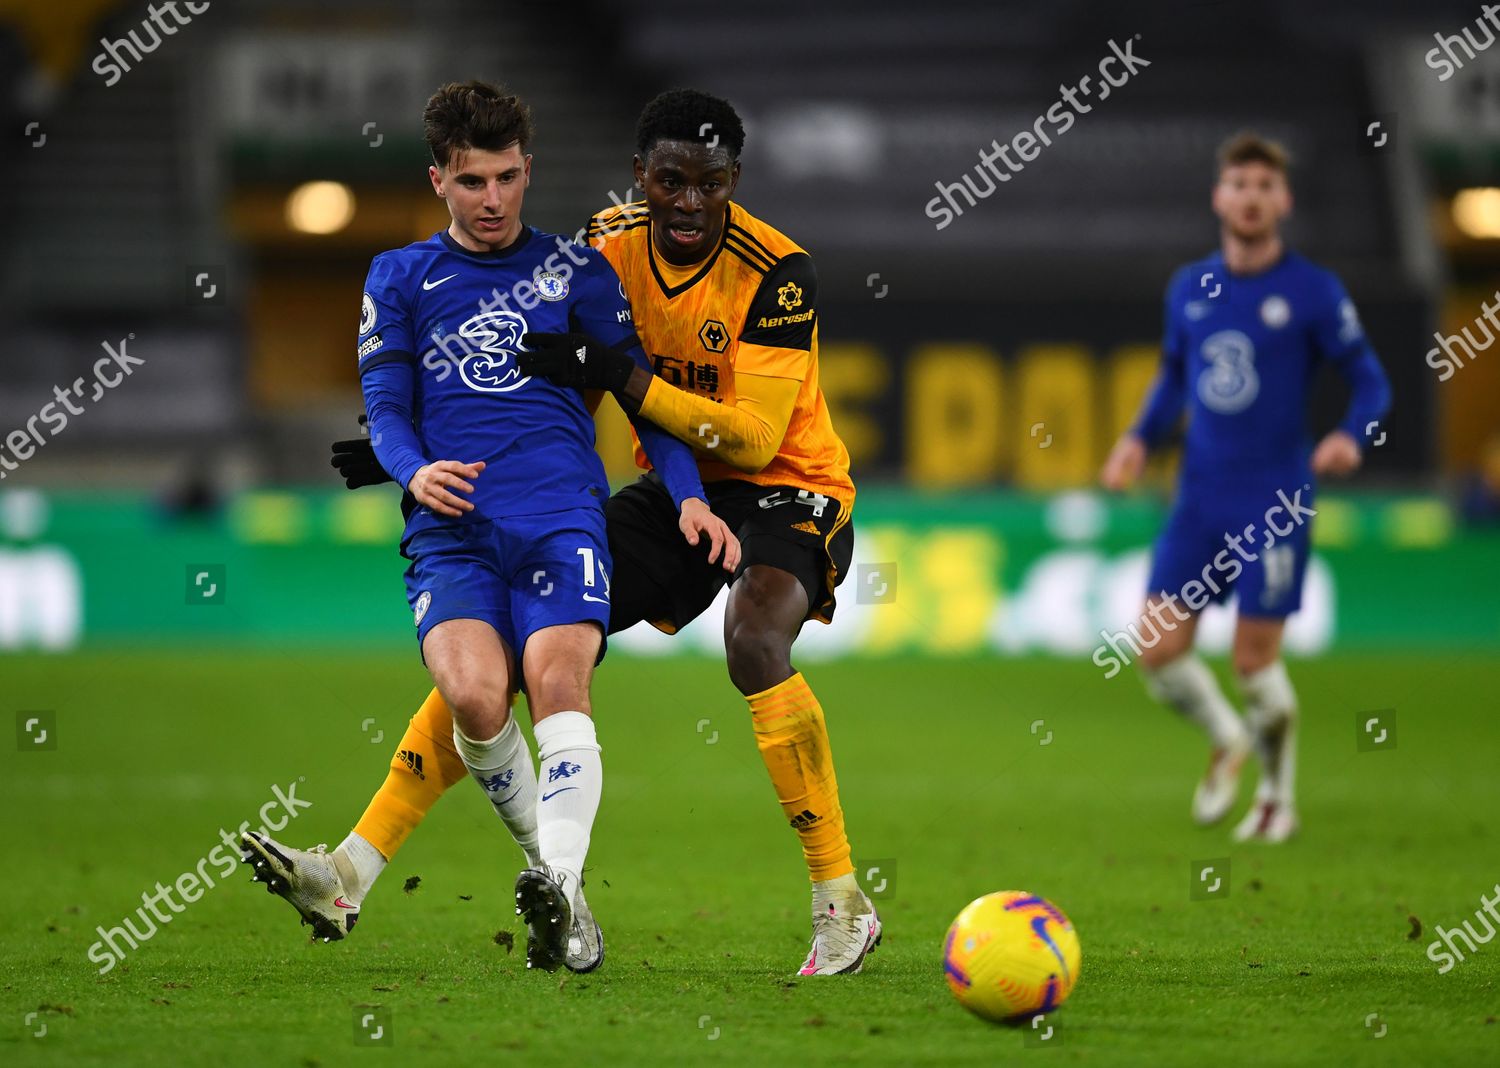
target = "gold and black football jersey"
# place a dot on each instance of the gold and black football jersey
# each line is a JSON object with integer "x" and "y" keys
{"x": 749, "y": 312}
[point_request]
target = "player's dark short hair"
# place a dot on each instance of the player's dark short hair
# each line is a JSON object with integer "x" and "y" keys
{"x": 689, "y": 115}
{"x": 1247, "y": 146}
{"x": 474, "y": 114}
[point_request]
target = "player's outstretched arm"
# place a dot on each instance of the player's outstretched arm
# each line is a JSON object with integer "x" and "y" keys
{"x": 599, "y": 352}
{"x": 745, "y": 435}
{"x": 582, "y": 362}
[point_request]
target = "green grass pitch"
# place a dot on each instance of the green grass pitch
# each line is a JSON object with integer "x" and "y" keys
{"x": 1311, "y": 958}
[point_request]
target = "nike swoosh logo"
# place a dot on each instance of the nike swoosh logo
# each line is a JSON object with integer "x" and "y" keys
{"x": 554, "y": 793}
{"x": 340, "y": 903}
{"x": 440, "y": 281}
{"x": 596, "y": 600}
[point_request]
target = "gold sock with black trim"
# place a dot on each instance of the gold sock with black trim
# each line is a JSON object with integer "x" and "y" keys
{"x": 793, "y": 740}
{"x": 425, "y": 766}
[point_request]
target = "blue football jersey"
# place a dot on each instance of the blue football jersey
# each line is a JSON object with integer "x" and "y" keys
{"x": 439, "y": 330}
{"x": 1239, "y": 353}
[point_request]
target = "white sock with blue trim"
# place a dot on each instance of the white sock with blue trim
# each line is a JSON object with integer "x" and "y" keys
{"x": 502, "y": 767}
{"x": 571, "y": 780}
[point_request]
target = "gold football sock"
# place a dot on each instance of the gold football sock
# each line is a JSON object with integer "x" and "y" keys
{"x": 793, "y": 741}
{"x": 424, "y": 767}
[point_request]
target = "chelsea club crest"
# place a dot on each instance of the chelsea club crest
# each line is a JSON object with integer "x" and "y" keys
{"x": 1275, "y": 312}
{"x": 551, "y": 286}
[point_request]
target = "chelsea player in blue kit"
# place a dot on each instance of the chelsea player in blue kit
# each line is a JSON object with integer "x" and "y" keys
{"x": 510, "y": 569}
{"x": 1245, "y": 331}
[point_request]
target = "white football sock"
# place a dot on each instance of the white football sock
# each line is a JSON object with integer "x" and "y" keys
{"x": 359, "y": 864}
{"x": 572, "y": 778}
{"x": 502, "y": 767}
{"x": 1271, "y": 709}
{"x": 843, "y": 891}
{"x": 1189, "y": 686}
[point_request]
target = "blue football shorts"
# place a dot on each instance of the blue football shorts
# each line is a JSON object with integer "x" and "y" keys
{"x": 1195, "y": 561}
{"x": 519, "y": 574}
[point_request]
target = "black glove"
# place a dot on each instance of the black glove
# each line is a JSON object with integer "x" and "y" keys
{"x": 356, "y": 461}
{"x": 575, "y": 360}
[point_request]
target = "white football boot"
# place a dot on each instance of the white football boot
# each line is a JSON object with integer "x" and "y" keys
{"x": 542, "y": 901}
{"x": 1268, "y": 820}
{"x": 1220, "y": 785}
{"x": 845, "y": 929}
{"x": 1273, "y": 816}
{"x": 586, "y": 940}
{"x": 306, "y": 878}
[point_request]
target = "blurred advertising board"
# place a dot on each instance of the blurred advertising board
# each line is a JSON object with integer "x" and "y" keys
{"x": 984, "y": 573}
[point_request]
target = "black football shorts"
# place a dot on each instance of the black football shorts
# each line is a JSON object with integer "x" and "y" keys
{"x": 662, "y": 579}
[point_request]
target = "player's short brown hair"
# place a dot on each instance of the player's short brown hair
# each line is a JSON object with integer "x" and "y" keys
{"x": 1247, "y": 146}
{"x": 474, "y": 114}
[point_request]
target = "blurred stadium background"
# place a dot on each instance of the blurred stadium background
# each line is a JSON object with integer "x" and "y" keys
{"x": 216, "y": 199}
{"x": 192, "y": 600}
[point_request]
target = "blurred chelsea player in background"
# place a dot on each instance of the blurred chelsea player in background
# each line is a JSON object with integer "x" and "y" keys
{"x": 1245, "y": 330}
